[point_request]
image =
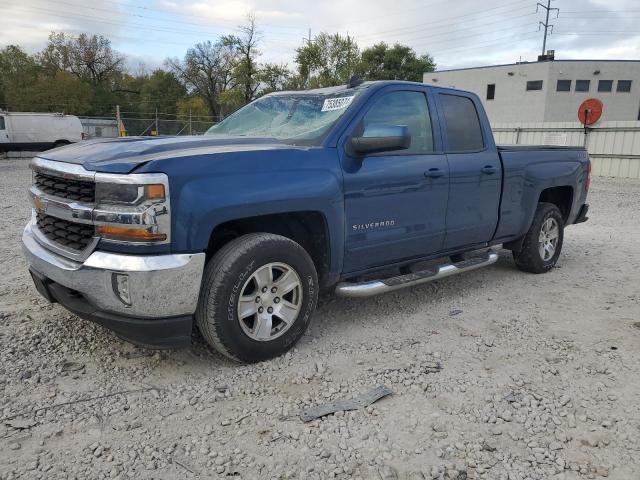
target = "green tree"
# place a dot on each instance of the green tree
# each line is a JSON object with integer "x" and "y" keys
{"x": 18, "y": 72}
{"x": 88, "y": 57}
{"x": 161, "y": 90}
{"x": 399, "y": 62}
{"x": 61, "y": 93}
{"x": 207, "y": 71}
{"x": 329, "y": 60}
{"x": 194, "y": 114}
{"x": 246, "y": 68}
{"x": 273, "y": 77}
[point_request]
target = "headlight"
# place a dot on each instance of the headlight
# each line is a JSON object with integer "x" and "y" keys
{"x": 118, "y": 193}
{"x": 133, "y": 208}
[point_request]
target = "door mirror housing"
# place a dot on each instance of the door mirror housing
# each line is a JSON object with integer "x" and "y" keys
{"x": 378, "y": 138}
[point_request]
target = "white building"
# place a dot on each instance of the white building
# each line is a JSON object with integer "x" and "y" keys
{"x": 549, "y": 91}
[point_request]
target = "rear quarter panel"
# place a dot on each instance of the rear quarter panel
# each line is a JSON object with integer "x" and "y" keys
{"x": 527, "y": 172}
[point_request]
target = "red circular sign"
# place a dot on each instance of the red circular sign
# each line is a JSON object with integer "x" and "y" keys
{"x": 590, "y": 111}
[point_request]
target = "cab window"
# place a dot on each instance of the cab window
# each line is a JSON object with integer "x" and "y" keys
{"x": 464, "y": 132}
{"x": 404, "y": 108}
{"x": 2, "y": 127}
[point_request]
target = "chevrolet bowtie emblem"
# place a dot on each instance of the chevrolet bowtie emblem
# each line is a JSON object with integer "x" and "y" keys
{"x": 38, "y": 204}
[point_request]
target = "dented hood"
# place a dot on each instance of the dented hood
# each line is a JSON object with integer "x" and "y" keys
{"x": 123, "y": 155}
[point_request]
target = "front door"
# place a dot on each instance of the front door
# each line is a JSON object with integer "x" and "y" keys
{"x": 396, "y": 202}
{"x": 475, "y": 174}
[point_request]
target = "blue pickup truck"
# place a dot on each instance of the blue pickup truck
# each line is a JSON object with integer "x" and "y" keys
{"x": 361, "y": 189}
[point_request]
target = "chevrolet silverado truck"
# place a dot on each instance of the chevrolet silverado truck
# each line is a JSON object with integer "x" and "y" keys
{"x": 361, "y": 189}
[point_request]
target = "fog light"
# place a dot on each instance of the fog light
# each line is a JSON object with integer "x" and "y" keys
{"x": 120, "y": 283}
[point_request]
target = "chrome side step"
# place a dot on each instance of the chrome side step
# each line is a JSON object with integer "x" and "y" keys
{"x": 375, "y": 287}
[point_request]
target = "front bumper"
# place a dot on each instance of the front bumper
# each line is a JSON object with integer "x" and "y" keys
{"x": 163, "y": 290}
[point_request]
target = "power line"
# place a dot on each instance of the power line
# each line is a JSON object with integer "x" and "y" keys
{"x": 444, "y": 23}
{"x": 440, "y": 34}
{"x": 67, "y": 15}
{"x": 523, "y": 36}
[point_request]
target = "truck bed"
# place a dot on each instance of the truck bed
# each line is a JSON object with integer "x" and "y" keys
{"x": 526, "y": 148}
{"x": 529, "y": 169}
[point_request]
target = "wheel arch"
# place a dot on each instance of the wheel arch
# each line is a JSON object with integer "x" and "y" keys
{"x": 561, "y": 197}
{"x": 307, "y": 228}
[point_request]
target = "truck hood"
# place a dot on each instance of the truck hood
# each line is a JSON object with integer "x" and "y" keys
{"x": 123, "y": 155}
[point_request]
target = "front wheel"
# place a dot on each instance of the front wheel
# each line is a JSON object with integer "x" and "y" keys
{"x": 257, "y": 298}
{"x": 543, "y": 242}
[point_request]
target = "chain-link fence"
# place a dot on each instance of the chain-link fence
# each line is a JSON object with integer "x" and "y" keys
{"x": 107, "y": 127}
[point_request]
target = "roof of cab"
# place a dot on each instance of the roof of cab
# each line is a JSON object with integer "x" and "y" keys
{"x": 364, "y": 85}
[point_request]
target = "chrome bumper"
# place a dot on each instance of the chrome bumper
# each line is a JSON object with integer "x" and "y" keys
{"x": 159, "y": 285}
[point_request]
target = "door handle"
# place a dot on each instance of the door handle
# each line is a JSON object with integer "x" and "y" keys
{"x": 489, "y": 169}
{"x": 433, "y": 173}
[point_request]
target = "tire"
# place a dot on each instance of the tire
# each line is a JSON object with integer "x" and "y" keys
{"x": 531, "y": 258}
{"x": 237, "y": 270}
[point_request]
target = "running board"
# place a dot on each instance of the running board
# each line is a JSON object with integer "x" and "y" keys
{"x": 375, "y": 287}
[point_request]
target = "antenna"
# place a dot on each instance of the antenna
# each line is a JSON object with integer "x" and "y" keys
{"x": 546, "y": 24}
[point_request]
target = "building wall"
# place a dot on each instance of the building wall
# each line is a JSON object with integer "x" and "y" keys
{"x": 614, "y": 147}
{"x": 513, "y": 103}
{"x": 618, "y": 106}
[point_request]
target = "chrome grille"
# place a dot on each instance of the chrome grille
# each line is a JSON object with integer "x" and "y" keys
{"x": 68, "y": 188}
{"x": 71, "y": 235}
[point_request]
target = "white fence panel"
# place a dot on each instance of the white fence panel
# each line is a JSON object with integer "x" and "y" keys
{"x": 614, "y": 147}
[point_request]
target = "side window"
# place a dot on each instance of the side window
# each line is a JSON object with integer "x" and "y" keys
{"x": 404, "y": 108}
{"x": 491, "y": 91}
{"x": 624, "y": 86}
{"x": 534, "y": 85}
{"x": 2, "y": 127}
{"x": 464, "y": 132}
{"x": 605, "y": 85}
{"x": 582, "y": 85}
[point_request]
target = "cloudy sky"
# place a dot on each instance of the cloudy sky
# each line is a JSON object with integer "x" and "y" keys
{"x": 457, "y": 33}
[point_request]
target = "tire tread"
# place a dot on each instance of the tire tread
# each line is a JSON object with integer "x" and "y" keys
{"x": 528, "y": 259}
{"x": 217, "y": 272}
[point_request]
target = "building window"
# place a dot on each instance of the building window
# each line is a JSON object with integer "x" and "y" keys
{"x": 624, "y": 85}
{"x": 534, "y": 85}
{"x": 491, "y": 91}
{"x": 605, "y": 85}
{"x": 563, "y": 86}
{"x": 583, "y": 85}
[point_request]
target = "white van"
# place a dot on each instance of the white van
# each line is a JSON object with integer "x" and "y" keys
{"x": 37, "y": 131}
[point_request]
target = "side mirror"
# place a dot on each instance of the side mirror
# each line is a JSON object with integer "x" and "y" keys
{"x": 380, "y": 138}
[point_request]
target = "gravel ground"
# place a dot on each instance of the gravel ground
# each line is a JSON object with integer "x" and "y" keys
{"x": 496, "y": 374}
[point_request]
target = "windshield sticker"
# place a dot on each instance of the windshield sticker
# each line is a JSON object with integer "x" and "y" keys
{"x": 331, "y": 104}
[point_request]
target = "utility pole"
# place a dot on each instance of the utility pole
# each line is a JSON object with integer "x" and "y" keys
{"x": 119, "y": 122}
{"x": 157, "y": 129}
{"x": 308, "y": 40}
{"x": 546, "y": 24}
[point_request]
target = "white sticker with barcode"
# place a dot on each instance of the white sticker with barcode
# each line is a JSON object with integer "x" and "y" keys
{"x": 331, "y": 104}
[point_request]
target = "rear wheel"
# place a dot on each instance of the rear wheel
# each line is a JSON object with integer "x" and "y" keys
{"x": 258, "y": 295}
{"x": 543, "y": 242}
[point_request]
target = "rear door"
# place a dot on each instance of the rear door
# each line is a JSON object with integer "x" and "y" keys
{"x": 4, "y": 132}
{"x": 395, "y": 202}
{"x": 475, "y": 172}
